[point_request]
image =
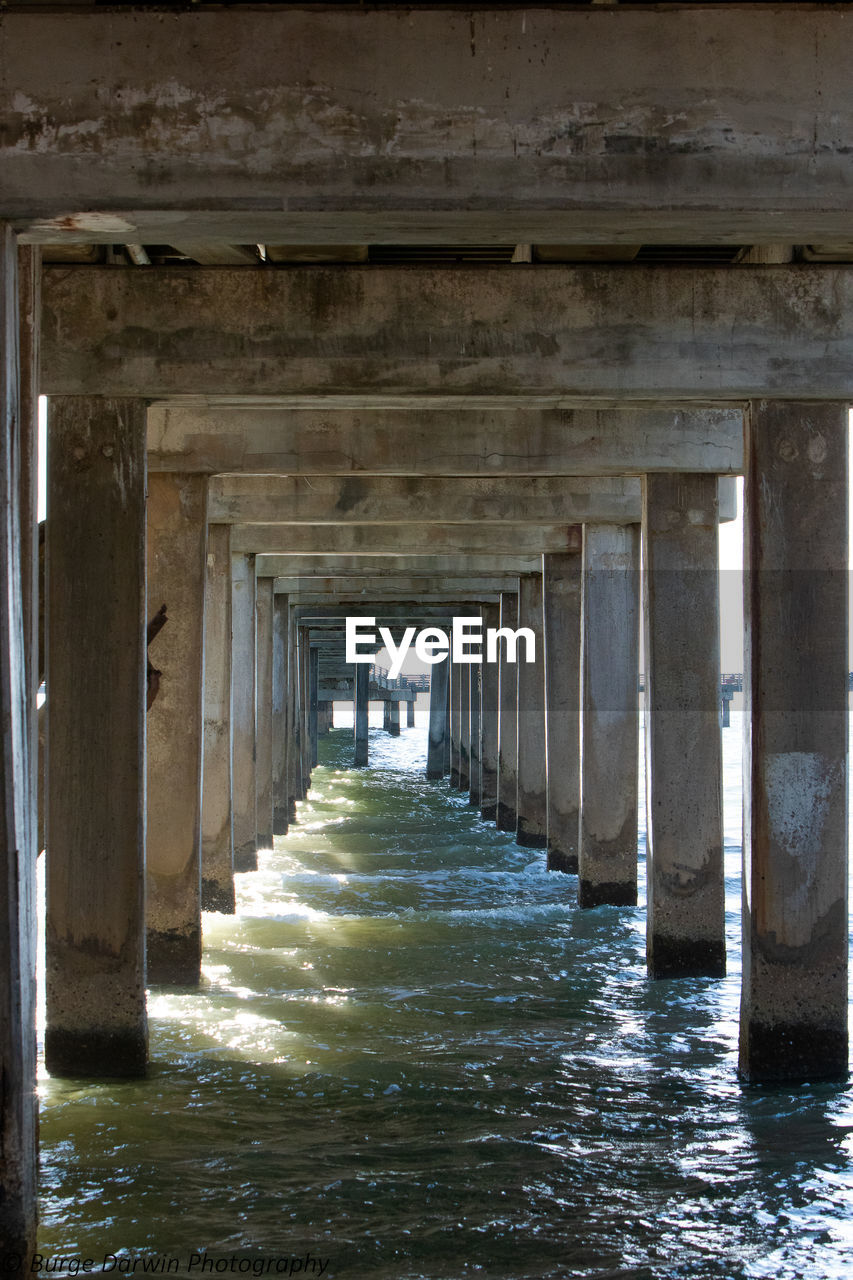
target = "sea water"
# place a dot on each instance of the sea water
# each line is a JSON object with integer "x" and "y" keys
{"x": 413, "y": 1058}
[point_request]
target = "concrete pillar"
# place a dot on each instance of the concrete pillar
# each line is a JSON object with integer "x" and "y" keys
{"x": 280, "y": 795}
{"x": 394, "y": 718}
{"x": 361, "y": 689}
{"x": 609, "y": 715}
{"x": 475, "y": 781}
{"x": 438, "y": 726}
{"x": 447, "y": 724}
{"x": 562, "y": 576}
{"x": 386, "y": 718}
{"x": 684, "y": 864}
{"x": 177, "y": 573}
{"x": 794, "y": 996}
{"x": 324, "y": 717}
{"x": 95, "y": 927}
{"x": 18, "y": 1115}
{"x": 410, "y": 714}
{"x": 294, "y": 744}
{"x": 263, "y": 709}
{"x": 455, "y": 720}
{"x": 304, "y": 650}
{"x": 313, "y": 692}
{"x": 464, "y": 726}
{"x": 532, "y": 828}
{"x": 244, "y": 798}
{"x": 507, "y": 799}
{"x": 29, "y": 315}
{"x": 489, "y": 724}
{"x": 217, "y": 835}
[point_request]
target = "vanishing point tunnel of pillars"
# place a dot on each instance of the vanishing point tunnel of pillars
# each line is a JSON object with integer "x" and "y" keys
{"x": 548, "y": 749}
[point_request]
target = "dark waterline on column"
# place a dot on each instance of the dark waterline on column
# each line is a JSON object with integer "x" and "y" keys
{"x": 413, "y": 1056}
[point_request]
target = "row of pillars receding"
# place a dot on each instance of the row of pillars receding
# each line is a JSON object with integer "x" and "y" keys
{"x": 549, "y": 749}
{"x": 138, "y": 841}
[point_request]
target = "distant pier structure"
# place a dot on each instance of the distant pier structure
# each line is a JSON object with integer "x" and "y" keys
{"x": 416, "y": 314}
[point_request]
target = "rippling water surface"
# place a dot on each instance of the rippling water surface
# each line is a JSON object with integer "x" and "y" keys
{"x": 413, "y": 1058}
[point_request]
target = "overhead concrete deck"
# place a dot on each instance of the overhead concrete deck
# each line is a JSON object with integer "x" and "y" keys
{"x": 605, "y": 124}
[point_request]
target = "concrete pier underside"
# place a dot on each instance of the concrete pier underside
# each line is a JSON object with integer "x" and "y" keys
{"x": 411, "y": 441}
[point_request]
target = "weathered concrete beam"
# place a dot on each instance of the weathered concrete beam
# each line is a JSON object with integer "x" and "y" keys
{"x": 459, "y": 435}
{"x": 379, "y": 599}
{"x": 288, "y": 500}
{"x": 391, "y": 588}
{"x": 540, "y": 500}
{"x": 448, "y": 567}
{"x": 332, "y": 615}
{"x": 646, "y": 332}
{"x": 404, "y": 539}
{"x": 347, "y": 127}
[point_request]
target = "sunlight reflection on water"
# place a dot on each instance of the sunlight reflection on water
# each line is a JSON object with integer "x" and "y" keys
{"x": 413, "y": 1055}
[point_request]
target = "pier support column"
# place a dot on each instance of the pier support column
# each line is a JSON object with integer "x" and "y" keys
{"x": 294, "y": 746}
{"x": 532, "y": 830}
{"x": 684, "y": 863}
{"x": 217, "y": 835}
{"x": 244, "y": 798}
{"x": 313, "y": 701}
{"x": 464, "y": 726}
{"x": 95, "y": 927}
{"x": 455, "y": 719}
{"x": 410, "y": 714}
{"x": 280, "y": 794}
{"x": 475, "y": 782}
{"x": 562, "y": 578}
{"x": 305, "y": 702}
{"x": 18, "y": 1113}
{"x": 29, "y": 314}
{"x": 794, "y": 996}
{"x": 447, "y": 724}
{"x": 507, "y": 801}
{"x": 361, "y": 688}
{"x": 489, "y": 724}
{"x": 610, "y": 715}
{"x": 386, "y": 719}
{"x": 177, "y": 574}
{"x": 438, "y": 726}
{"x": 263, "y": 709}
{"x": 394, "y": 719}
